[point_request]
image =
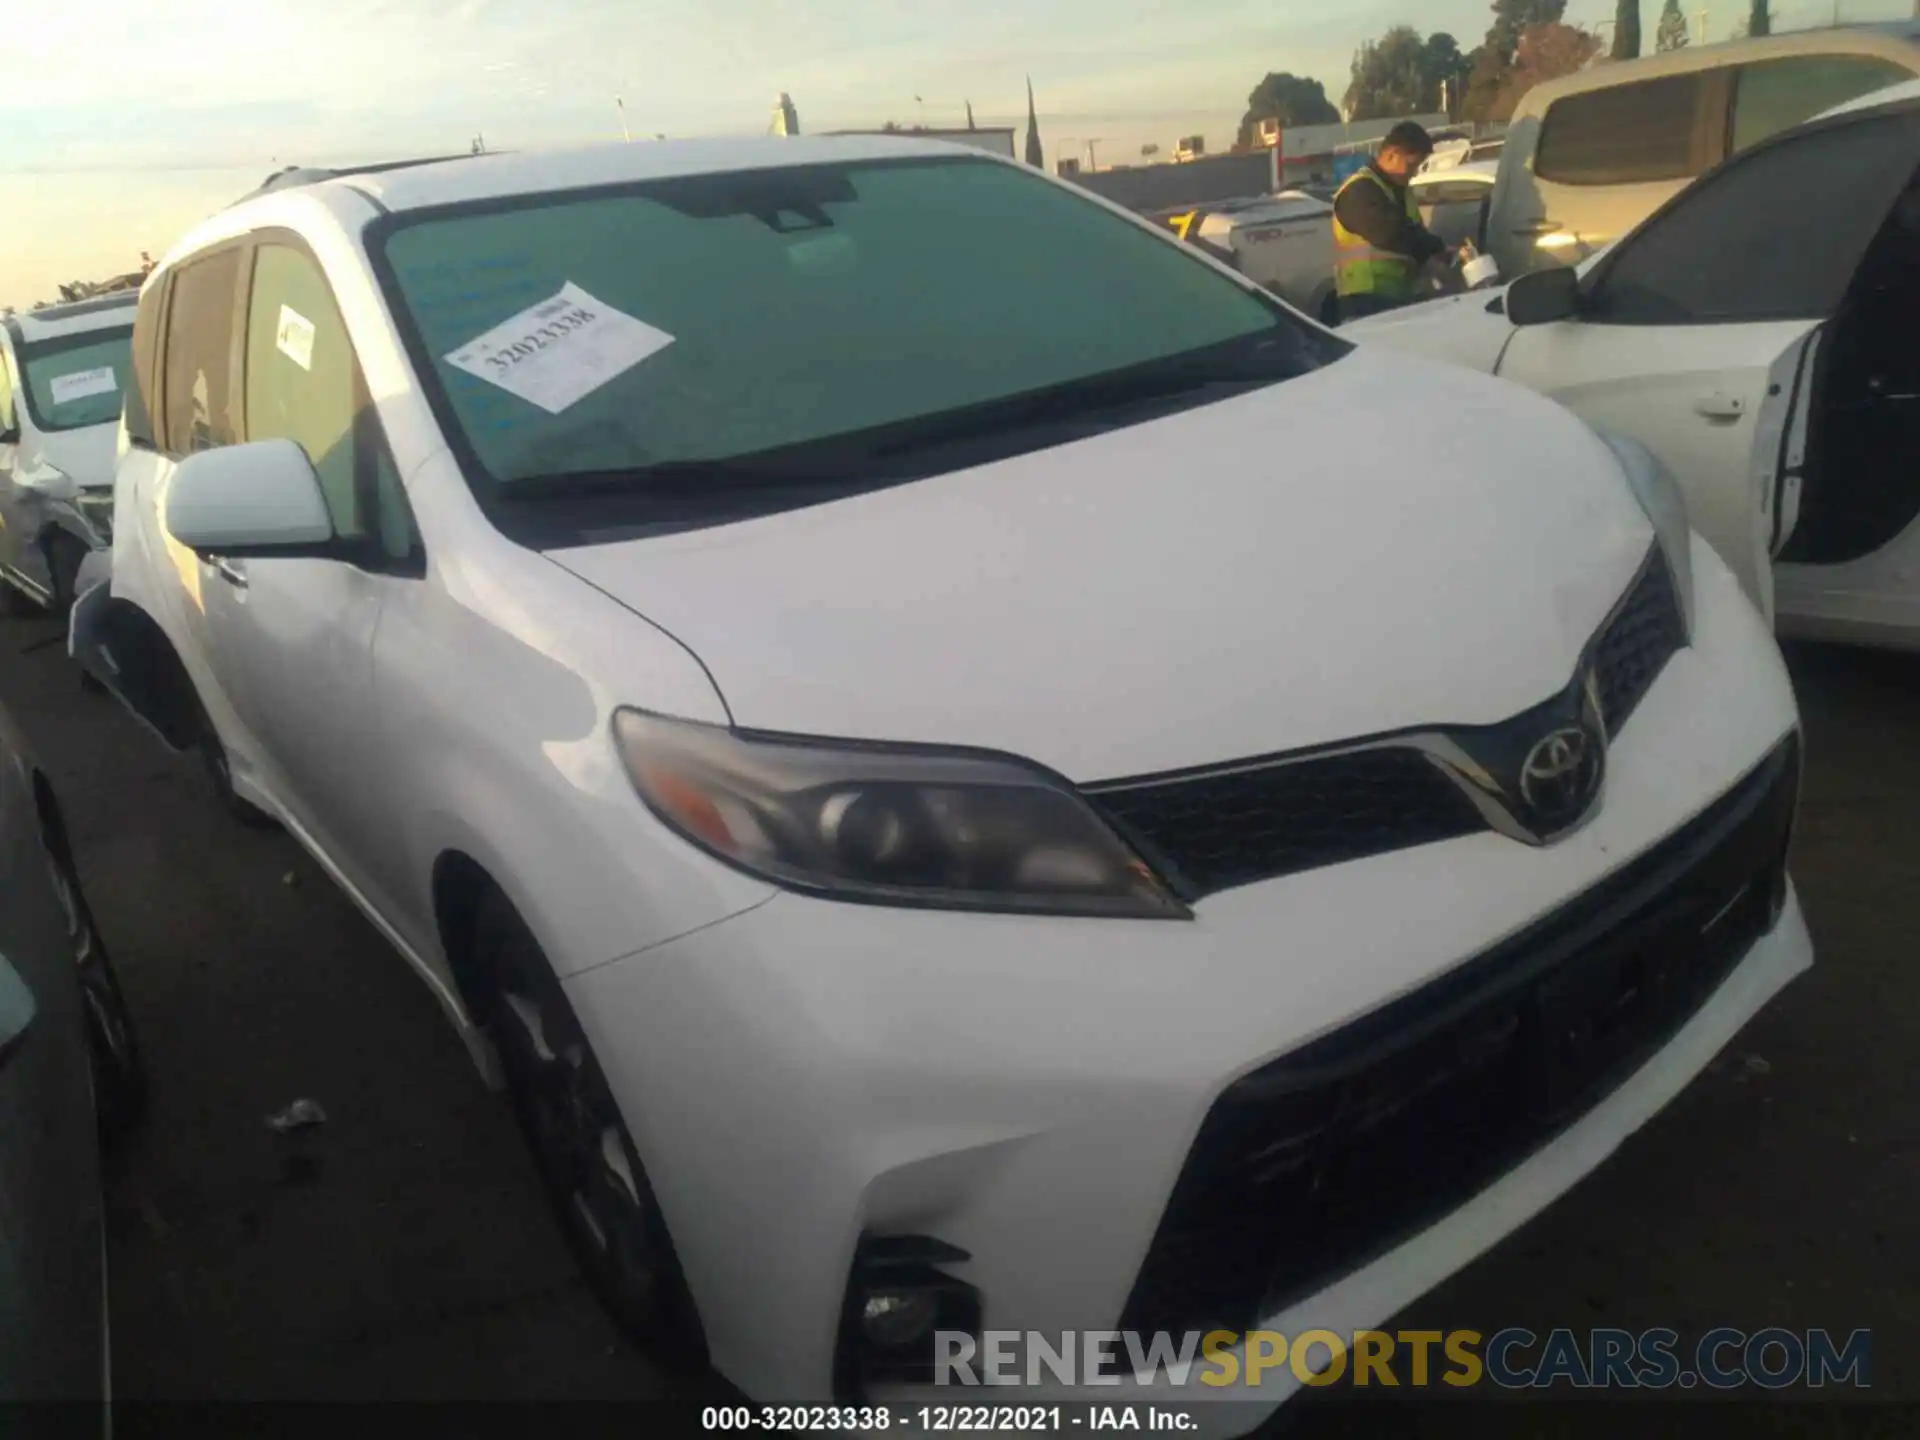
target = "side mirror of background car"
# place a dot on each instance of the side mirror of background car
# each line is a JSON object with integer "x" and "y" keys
{"x": 1544, "y": 296}
{"x": 238, "y": 499}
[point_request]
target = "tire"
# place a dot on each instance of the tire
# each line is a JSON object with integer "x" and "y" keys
{"x": 213, "y": 760}
{"x": 580, "y": 1144}
{"x": 119, "y": 1073}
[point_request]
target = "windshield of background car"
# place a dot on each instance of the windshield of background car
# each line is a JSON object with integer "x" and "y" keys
{"x": 705, "y": 319}
{"x": 76, "y": 381}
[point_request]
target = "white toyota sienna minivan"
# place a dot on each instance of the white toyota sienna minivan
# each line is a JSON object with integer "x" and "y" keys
{"x": 967, "y": 773}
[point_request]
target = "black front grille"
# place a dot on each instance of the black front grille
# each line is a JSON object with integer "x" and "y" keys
{"x": 1324, "y": 1159}
{"x": 1237, "y": 824}
{"x": 1221, "y": 830}
{"x": 1644, "y": 633}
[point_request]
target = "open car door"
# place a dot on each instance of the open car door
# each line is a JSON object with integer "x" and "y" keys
{"x": 1697, "y": 334}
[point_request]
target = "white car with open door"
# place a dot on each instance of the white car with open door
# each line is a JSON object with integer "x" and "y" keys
{"x": 1756, "y": 335}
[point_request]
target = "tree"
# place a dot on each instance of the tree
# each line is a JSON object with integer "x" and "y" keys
{"x": 1626, "y": 29}
{"x": 1759, "y": 21}
{"x": 1447, "y": 70}
{"x": 1672, "y": 34}
{"x": 1545, "y": 52}
{"x": 1149, "y": 150}
{"x": 1401, "y": 74}
{"x": 1291, "y": 99}
{"x": 1492, "y": 62}
{"x": 1389, "y": 76}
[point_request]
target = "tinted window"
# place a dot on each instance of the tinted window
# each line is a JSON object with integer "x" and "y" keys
{"x": 796, "y": 305}
{"x": 1776, "y": 234}
{"x": 300, "y": 374}
{"x": 75, "y": 381}
{"x": 1624, "y": 134}
{"x": 7, "y": 419}
{"x": 199, "y": 356}
{"x": 1775, "y": 95}
{"x": 146, "y": 344}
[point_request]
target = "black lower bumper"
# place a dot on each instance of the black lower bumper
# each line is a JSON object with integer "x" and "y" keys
{"x": 1325, "y": 1159}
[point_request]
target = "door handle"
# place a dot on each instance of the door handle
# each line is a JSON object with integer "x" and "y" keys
{"x": 1720, "y": 407}
{"x": 231, "y": 571}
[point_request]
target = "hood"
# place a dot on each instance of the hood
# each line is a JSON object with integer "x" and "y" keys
{"x": 1376, "y": 545}
{"x": 86, "y": 456}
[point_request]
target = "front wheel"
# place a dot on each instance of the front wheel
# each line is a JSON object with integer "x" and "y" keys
{"x": 580, "y": 1144}
{"x": 219, "y": 772}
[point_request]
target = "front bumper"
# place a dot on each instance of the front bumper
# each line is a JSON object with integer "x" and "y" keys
{"x": 1030, "y": 1090}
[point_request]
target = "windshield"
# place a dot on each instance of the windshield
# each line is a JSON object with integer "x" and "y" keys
{"x": 75, "y": 381}
{"x": 832, "y": 318}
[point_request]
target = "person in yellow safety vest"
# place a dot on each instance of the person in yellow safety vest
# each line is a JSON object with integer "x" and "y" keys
{"x": 1379, "y": 242}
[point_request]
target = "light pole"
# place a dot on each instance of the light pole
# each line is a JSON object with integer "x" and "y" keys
{"x": 621, "y": 106}
{"x": 1093, "y": 162}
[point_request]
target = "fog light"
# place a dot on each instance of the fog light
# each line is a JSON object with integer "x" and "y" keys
{"x": 894, "y": 1318}
{"x": 899, "y": 1298}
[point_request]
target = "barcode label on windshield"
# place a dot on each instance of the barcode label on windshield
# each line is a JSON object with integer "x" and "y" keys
{"x": 556, "y": 353}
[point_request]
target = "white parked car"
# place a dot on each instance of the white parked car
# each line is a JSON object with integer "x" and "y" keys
{"x": 62, "y": 369}
{"x": 1757, "y": 335}
{"x": 1004, "y": 799}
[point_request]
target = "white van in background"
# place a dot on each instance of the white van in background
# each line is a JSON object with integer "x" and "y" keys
{"x": 62, "y": 371}
{"x": 1595, "y": 153}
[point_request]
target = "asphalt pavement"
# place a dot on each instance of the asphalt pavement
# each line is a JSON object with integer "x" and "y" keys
{"x": 402, "y": 1249}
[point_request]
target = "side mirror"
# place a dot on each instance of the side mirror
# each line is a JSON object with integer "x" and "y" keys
{"x": 241, "y": 499}
{"x": 1544, "y": 296}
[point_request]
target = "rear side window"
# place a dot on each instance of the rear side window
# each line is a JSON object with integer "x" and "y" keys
{"x": 1774, "y": 95}
{"x": 1728, "y": 250}
{"x": 146, "y": 348}
{"x": 1626, "y": 134}
{"x": 199, "y": 356}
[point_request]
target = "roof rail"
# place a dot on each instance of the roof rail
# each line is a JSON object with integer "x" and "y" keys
{"x": 296, "y": 175}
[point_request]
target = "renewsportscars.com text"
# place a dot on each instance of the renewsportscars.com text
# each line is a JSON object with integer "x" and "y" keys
{"x": 1513, "y": 1359}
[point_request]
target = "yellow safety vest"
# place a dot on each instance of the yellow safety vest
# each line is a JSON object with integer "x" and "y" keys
{"x": 1362, "y": 268}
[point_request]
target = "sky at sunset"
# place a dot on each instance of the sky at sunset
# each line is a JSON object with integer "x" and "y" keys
{"x": 126, "y": 122}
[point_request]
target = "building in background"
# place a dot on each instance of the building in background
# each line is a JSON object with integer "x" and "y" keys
{"x": 786, "y": 119}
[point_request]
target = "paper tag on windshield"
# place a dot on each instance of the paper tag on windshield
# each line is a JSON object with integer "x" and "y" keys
{"x": 294, "y": 337}
{"x": 554, "y": 353}
{"x": 81, "y": 383}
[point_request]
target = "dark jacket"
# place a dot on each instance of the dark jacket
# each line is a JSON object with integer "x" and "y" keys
{"x": 1384, "y": 223}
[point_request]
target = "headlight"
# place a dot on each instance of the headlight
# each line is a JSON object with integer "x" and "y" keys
{"x": 891, "y": 824}
{"x": 1659, "y": 495}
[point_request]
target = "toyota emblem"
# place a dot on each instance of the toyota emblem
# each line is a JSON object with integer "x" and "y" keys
{"x": 1560, "y": 774}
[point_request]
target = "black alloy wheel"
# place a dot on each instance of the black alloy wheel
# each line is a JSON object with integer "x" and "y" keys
{"x": 580, "y": 1144}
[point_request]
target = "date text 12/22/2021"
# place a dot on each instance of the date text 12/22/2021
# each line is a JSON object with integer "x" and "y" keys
{"x": 947, "y": 1419}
